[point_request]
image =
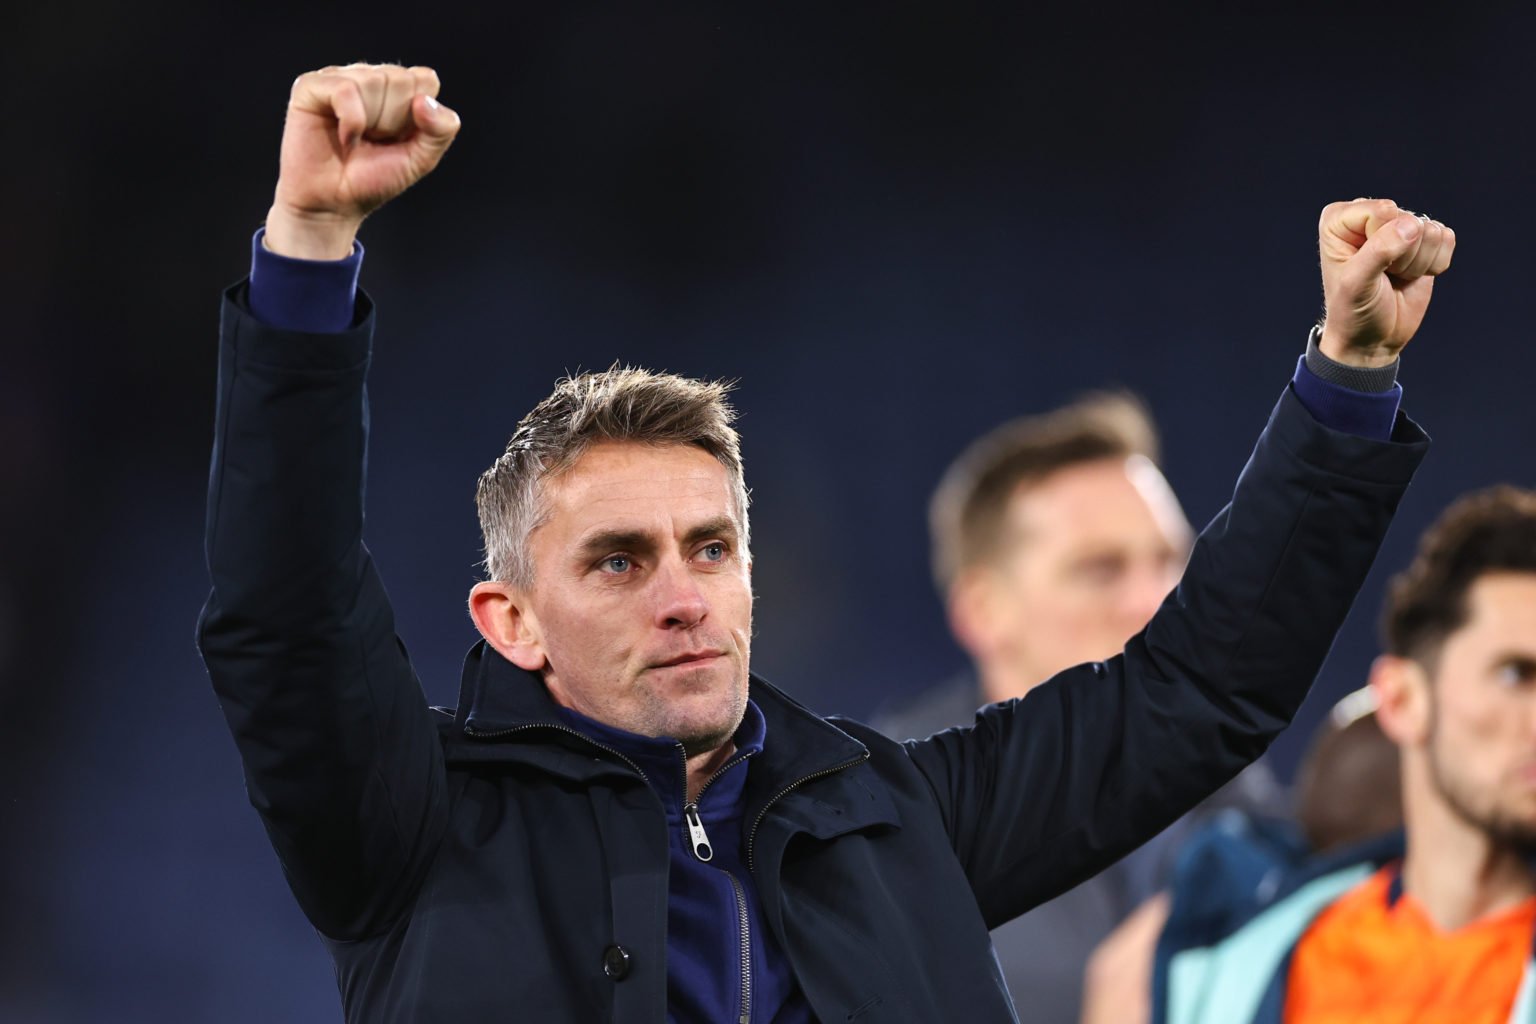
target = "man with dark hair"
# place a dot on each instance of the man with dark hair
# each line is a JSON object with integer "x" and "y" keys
{"x": 619, "y": 822}
{"x": 1435, "y": 924}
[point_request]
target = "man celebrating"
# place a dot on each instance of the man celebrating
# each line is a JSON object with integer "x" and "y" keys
{"x": 619, "y": 822}
{"x": 1437, "y": 930}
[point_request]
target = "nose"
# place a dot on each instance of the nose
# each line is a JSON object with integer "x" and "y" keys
{"x": 680, "y": 602}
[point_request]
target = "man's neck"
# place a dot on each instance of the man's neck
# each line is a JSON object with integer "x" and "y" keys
{"x": 1457, "y": 872}
{"x": 701, "y": 767}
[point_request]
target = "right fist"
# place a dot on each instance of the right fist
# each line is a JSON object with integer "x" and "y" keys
{"x": 1379, "y": 267}
{"x": 355, "y": 137}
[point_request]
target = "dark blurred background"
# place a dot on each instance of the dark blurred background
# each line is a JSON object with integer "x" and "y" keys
{"x": 897, "y": 225}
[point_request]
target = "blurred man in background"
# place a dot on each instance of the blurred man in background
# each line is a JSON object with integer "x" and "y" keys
{"x": 1435, "y": 924}
{"x": 1055, "y": 538}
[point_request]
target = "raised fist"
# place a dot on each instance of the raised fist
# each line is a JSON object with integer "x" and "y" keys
{"x": 355, "y": 137}
{"x": 1379, "y": 267}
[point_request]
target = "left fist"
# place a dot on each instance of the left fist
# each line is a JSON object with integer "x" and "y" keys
{"x": 1379, "y": 267}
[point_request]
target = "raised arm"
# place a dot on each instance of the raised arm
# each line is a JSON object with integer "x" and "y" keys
{"x": 1046, "y": 791}
{"x": 341, "y": 755}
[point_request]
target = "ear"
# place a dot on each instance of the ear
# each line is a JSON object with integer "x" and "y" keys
{"x": 1403, "y": 701}
{"x": 503, "y": 616}
{"x": 971, "y": 607}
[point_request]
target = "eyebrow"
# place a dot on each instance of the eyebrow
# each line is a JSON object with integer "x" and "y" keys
{"x": 719, "y": 526}
{"x": 604, "y": 541}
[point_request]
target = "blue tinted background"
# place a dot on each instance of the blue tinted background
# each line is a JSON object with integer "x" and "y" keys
{"x": 896, "y": 230}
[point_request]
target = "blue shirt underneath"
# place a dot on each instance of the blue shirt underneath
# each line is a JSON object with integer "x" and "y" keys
{"x": 721, "y": 960}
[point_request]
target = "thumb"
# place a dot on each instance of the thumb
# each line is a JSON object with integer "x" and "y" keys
{"x": 436, "y": 124}
{"x": 1391, "y": 246}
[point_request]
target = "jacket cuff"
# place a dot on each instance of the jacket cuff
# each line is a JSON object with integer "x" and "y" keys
{"x": 251, "y": 341}
{"x": 1326, "y": 448}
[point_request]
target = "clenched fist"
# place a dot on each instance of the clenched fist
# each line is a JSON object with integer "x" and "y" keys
{"x": 355, "y": 137}
{"x": 1379, "y": 266}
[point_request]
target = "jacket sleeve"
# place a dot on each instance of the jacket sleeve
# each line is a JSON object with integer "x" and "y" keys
{"x": 1045, "y": 791}
{"x": 341, "y": 754}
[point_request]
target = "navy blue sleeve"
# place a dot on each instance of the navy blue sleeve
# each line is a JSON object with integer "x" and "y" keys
{"x": 312, "y": 296}
{"x": 1368, "y": 414}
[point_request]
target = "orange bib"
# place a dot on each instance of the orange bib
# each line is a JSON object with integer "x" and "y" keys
{"x": 1365, "y": 959}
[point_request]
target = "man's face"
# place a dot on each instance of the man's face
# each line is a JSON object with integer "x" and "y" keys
{"x": 641, "y": 597}
{"x": 1094, "y": 548}
{"x": 1482, "y": 738}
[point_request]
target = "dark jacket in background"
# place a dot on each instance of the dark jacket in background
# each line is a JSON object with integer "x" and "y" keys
{"x": 489, "y": 863}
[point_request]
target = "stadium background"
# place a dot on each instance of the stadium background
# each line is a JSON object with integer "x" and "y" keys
{"x": 896, "y": 228}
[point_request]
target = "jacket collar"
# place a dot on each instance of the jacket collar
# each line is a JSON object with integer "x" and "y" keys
{"x": 506, "y": 714}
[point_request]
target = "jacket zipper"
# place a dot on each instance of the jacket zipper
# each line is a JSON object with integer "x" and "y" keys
{"x": 698, "y": 842}
{"x": 698, "y": 839}
{"x": 746, "y": 950}
{"x": 752, "y": 835}
{"x": 751, "y": 850}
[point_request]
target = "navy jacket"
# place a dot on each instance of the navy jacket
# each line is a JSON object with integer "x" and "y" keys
{"x": 491, "y": 863}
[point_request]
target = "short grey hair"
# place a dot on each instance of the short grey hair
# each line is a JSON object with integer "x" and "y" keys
{"x": 619, "y": 404}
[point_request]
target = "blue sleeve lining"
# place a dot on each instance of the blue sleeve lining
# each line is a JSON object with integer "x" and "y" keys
{"x": 313, "y": 296}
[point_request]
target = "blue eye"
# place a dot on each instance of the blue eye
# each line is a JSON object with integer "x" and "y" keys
{"x": 713, "y": 552}
{"x": 1517, "y": 671}
{"x": 616, "y": 564}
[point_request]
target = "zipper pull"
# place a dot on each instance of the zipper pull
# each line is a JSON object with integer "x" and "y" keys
{"x": 698, "y": 839}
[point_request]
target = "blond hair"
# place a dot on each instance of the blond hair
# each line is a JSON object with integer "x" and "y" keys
{"x": 968, "y": 515}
